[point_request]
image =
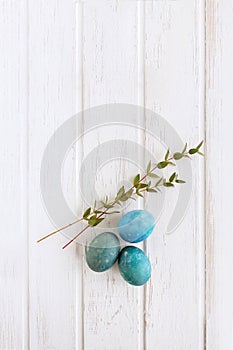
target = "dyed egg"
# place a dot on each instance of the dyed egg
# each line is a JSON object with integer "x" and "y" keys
{"x": 103, "y": 251}
{"x": 136, "y": 226}
{"x": 134, "y": 266}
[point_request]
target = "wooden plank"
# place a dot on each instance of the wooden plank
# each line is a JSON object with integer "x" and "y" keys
{"x": 110, "y": 49}
{"x": 113, "y": 310}
{"x": 219, "y": 172}
{"x": 174, "y": 66}
{"x": 54, "y": 281}
{"x": 13, "y": 176}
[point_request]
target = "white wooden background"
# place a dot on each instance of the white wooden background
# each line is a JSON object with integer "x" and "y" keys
{"x": 58, "y": 57}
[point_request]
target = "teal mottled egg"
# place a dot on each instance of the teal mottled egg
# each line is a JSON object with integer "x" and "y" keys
{"x": 103, "y": 251}
{"x": 134, "y": 266}
{"x": 136, "y": 226}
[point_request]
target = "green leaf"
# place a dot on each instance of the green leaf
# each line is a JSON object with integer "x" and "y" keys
{"x": 158, "y": 182}
{"x": 120, "y": 193}
{"x": 185, "y": 147}
{"x": 142, "y": 185}
{"x": 201, "y": 154}
{"x": 153, "y": 175}
{"x": 200, "y": 144}
{"x": 107, "y": 206}
{"x": 162, "y": 165}
{"x": 167, "y": 154}
{"x": 124, "y": 199}
{"x": 98, "y": 221}
{"x": 139, "y": 194}
{"x": 177, "y": 155}
{"x": 193, "y": 151}
{"x": 148, "y": 167}
{"x": 180, "y": 181}
{"x": 87, "y": 213}
{"x": 94, "y": 221}
{"x": 127, "y": 195}
{"x": 172, "y": 177}
{"x": 136, "y": 179}
{"x": 168, "y": 184}
{"x": 93, "y": 217}
{"x": 151, "y": 190}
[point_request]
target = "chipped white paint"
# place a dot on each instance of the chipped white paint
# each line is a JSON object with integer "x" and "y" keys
{"x": 59, "y": 57}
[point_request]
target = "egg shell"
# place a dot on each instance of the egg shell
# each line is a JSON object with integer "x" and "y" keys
{"x": 136, "y": 226}
{"x": 103, "y": 251}
{"x": 134, "y": 266}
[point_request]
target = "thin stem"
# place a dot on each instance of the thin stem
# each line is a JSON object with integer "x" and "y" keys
{"x": 112, "y": 203}
{"x": 83, "y": 230}
{"x": 64, "y": 227}
{"x": 136, "y": 191}
{"x": 81, "y": 219}
{"x": 86, "y": 227}
{"x": 60, "y": 229}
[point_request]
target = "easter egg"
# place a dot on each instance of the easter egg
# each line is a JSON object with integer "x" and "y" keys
{"x": 103, "y": 251}
{"x": 134, "y": 266}
{"x": 136, "y": 226}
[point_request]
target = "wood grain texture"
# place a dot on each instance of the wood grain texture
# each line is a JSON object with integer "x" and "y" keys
{"x": 59, "y": 57}
{"x": 219, "y": 140}
{"x": 110, "y": 74}
{"x": 13, "y": 176}
{"x": 52, "y": 272}
{"x": 174, "y": 68}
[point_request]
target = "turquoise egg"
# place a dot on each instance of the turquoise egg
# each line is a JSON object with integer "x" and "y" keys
{"x": 103, "y": 251}
{"x": 136, "y": 226}
{"x": 134, "y": 266}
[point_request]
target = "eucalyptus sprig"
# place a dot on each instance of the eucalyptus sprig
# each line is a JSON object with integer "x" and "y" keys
{"x": 150, "y": 182}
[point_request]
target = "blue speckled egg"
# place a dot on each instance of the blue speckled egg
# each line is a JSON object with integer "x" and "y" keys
{"x": 136, "y": 226}
{"x": 103, "y": 251}
{"x": 134, "y": 266}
